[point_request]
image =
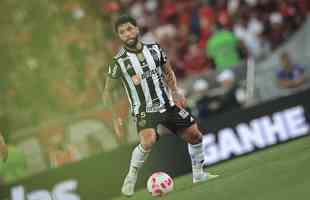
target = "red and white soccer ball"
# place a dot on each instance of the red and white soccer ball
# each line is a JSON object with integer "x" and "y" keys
{"x": 159, "y": 184}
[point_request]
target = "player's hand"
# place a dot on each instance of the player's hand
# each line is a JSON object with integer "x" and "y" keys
{"x": 179, "y": 99}
{"x": 3, "y": 152}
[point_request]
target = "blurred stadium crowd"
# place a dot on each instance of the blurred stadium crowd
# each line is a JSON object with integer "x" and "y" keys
{"x": 209, "y": 41}
{"x": 184, "y": 27}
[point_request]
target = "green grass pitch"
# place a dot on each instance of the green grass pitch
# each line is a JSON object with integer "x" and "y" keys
{"x": 278, "y": 173}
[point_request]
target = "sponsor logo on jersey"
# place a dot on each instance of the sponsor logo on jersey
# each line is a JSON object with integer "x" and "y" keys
{"x": 140, "y": 57}
{"x": 149, "y": 73}
{"x": 183, "y": 113}
{"x": 136, "y": 79}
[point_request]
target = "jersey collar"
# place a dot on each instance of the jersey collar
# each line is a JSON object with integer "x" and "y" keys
{"x": 135, "y": 50}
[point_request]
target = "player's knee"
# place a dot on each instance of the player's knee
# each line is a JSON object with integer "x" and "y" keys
{"x": 194, "y": 137}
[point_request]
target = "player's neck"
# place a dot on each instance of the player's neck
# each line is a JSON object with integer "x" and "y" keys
{"x": 137, "y": 48}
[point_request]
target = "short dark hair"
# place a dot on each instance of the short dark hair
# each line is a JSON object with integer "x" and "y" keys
{"x": 123, "y": 19}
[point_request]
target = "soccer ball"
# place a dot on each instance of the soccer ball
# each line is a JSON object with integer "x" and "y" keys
{"x": 159, "y": 184}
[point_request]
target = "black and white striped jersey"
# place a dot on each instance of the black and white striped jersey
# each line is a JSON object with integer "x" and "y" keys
{"x": 141, "y": 73}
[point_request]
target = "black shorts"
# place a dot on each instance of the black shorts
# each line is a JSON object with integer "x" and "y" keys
{"x": 174, "y": 118}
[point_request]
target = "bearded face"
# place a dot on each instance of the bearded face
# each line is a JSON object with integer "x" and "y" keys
{"x": 128, "y": 33}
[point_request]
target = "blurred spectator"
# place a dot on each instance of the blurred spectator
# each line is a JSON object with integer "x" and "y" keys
{"x": 212, "y": 97}
{"x": 195, "y": 61}
{"x": 15, "y": 166}
{"x": 3, "y": 148}
{"x": 206, "y": 20}
{"x": 223, "y": 48}
{"x": 249, "y": 30}
{"x": 60, "y": 152}
{"x": 277, "y": 33}
{"x": 110, "y": 7}
{"x": 304, "y": 6}
{"x": 289, "y": 75}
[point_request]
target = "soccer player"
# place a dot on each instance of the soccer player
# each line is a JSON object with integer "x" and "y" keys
{"x": 154, "y": 99}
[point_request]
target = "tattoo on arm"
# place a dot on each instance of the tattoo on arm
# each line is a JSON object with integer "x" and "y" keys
{"x": 170, "y": 78}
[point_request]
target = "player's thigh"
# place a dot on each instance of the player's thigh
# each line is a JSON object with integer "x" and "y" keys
{"x": 178, "y": 119}
{"x": 147, "y": 137}
{"x": 146, "y": 126}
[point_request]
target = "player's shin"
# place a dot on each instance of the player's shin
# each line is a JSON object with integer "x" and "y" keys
{"x": 197, "y": 158}
{"x": 138, "y": 157}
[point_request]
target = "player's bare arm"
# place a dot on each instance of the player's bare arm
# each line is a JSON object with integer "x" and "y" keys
{"x": 3, "y": 148}
{"x": 171, "y": 81}
{"x": 108, "y": 89}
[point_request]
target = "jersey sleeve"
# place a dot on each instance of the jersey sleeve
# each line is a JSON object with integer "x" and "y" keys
{"x": 114, "y": 70}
